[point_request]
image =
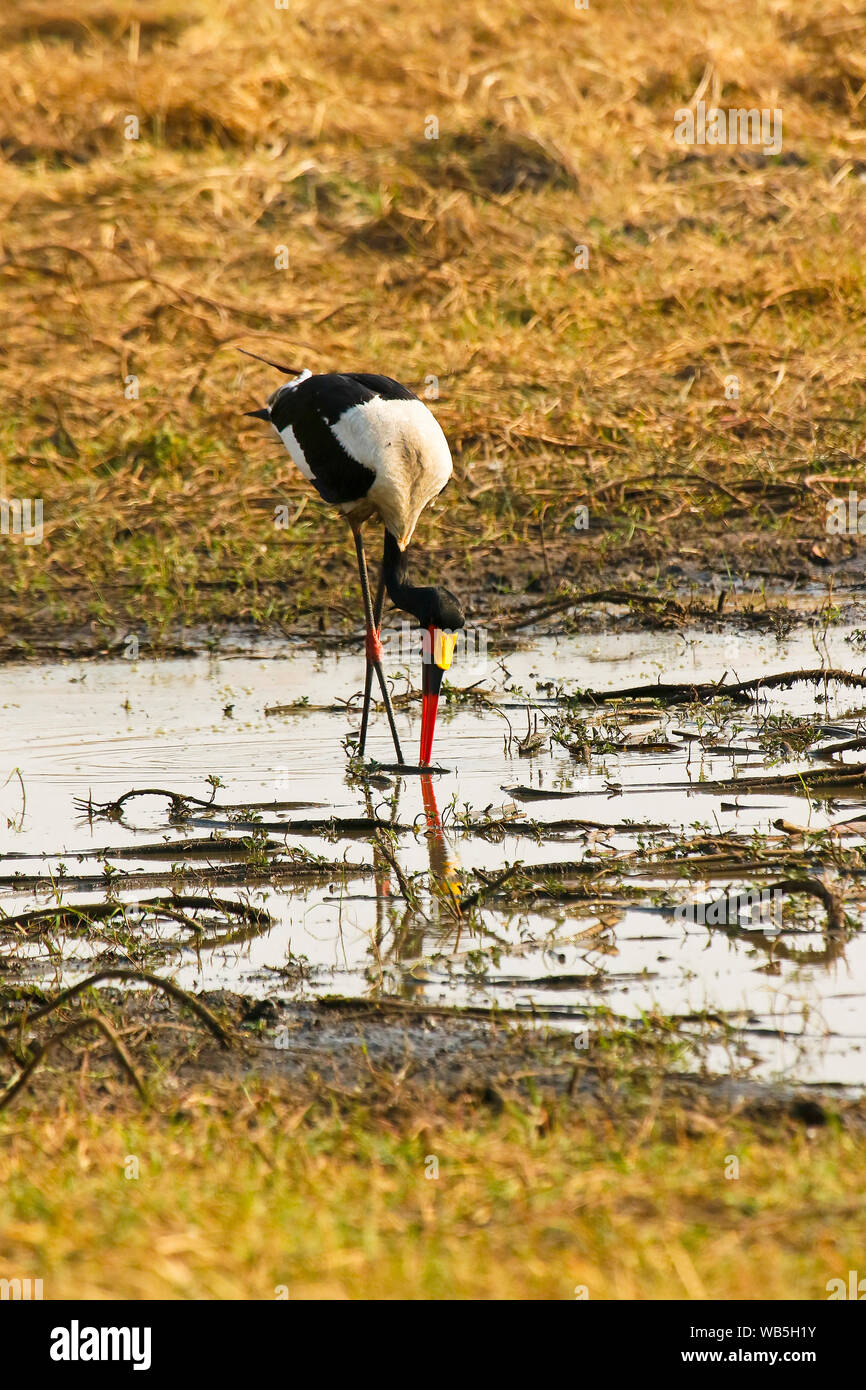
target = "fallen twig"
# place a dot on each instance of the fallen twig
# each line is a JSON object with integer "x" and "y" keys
{"x": 139, "y": 976}
{"x": 41, "y": 1051}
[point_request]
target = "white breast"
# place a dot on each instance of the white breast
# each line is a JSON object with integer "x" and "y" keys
{"x": 402, "y": 442}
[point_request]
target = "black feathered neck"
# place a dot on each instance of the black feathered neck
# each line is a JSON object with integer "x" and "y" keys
{"x": 431, "y": 606}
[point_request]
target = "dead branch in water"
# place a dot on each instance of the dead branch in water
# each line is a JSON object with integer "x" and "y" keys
{"x": 813, "y": 887}
{"x": 830, "y": 782}
{"x": 668, "y": 605}
{"x": 72, "y": 916}
{"x": 290, "y": 873}
{"x": 179, "y": 802}
{"x": 491, "y": 885}
{"x": 678, "y": 691}
{"x": 731, "y": 904}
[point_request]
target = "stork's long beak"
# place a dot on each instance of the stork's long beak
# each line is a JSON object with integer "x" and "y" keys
{"x": 437, "y": 659}
{"x": 259, "y": 414}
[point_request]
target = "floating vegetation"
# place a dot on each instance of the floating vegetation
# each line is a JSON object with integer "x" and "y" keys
{"x": 510, "y": 891}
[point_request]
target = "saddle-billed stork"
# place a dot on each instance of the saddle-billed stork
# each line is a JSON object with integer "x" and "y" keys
{"x": 370, "y": 447}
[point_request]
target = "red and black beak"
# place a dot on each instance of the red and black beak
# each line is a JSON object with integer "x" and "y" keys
{"x": 438, "y": 655}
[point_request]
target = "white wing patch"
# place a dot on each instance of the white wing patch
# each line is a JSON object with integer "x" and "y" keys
{"x": 287, "y": 435}
{"x": 402, "y": 442}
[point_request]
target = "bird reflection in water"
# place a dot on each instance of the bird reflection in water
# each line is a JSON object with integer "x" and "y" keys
{"x": 400, "y": 914}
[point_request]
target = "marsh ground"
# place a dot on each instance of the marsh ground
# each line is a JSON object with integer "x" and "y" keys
{"x": 489, "y": 204}
{"x": 495, "y": 980}
{"x": 480, "y": 1178}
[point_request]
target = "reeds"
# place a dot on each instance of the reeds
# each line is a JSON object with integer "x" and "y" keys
{"x": 714, "y": 333}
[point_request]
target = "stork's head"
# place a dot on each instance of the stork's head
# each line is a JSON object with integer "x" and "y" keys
{"x": 295, "y": 373}
{"x": 267, "y": 412}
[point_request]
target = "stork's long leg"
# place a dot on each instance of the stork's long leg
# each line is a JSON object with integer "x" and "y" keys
{"x": 368, "y": 679}
{"x": 373, "y": 645}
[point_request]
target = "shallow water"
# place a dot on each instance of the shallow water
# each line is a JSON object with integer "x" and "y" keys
{"x": 100, "y": 729}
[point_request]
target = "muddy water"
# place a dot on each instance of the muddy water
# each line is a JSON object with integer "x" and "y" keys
{"x": 98, "y": 730}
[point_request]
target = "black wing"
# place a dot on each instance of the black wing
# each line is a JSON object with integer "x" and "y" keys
{"x": 312, "y": 407}
{"x": 384, "y": 386}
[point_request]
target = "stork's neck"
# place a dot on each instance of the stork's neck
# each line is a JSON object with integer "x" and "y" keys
{"x": 396, "y": 567}
{"x": 432, "y": 607}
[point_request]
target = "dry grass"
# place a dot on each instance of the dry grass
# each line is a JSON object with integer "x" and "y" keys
{"x": 450, "y": 258}
{"x": 236, "y": 1197}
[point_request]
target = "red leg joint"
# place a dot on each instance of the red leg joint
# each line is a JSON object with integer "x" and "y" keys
{"x": 375, "y": 651}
